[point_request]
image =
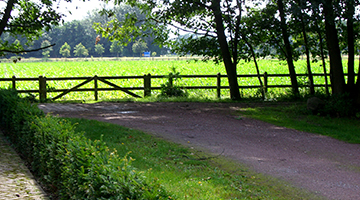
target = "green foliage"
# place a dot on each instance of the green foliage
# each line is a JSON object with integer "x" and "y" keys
{"x": 116, "y": 48}
{"x": 339, "y": 105}
{"x": 16, "y": 115}
{"x": 80, "y": 50}
{"x": 169, "y": 89}
{"x": 99, "y": 49}
{"x": 139, "y": 46}
{"x": 46, "y": 52}
{"x": 29, "y": 22}
{"x": 65, "y": 50}
{"x": 69, "y": 165}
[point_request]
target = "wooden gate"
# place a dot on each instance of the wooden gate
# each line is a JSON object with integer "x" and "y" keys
{"x": 95, "y": 79}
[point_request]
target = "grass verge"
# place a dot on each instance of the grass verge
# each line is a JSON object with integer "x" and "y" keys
{"x": 296, "y": 116}
{"x": 187, "y": 172}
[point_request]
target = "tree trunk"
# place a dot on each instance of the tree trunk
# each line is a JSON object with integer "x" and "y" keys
{"x": 288, "y": 49}
{"x": 256, "y": 65}
{"x": 6, "y": 15}
{"x": 351, "y": 48}
{"x": 357, "y": 89}
{"x": 323, "y": 62}
{"x": 229, "y": 65}
{"x": 332, "y": 40}
{"x": 308, "y": 65}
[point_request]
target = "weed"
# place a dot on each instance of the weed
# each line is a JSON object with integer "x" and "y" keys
{"x": 169, "y": 89}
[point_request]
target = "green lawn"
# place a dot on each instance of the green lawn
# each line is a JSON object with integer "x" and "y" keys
{"x": 296, "y": 116}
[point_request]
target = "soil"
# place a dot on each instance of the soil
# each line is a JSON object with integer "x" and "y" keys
{"x": 320, "y": 164}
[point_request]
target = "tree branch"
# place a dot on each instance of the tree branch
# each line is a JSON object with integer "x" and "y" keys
{"x": 206, "y": 33}
{"x": 25, "y": 51}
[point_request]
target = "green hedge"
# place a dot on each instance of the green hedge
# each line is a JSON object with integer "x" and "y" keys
{"x": 69, "y": 165}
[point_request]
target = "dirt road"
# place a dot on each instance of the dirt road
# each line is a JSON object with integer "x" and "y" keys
{"x": 320, "y": 164}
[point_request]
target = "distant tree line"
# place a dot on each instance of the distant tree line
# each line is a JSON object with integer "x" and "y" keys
{"x": 79, "y": 39}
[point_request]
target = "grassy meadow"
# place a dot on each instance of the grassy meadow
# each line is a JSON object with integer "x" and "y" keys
{"x": 153, "y": 67}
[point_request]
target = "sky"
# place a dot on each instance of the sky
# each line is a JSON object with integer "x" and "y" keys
{"x": 78, "y": 8}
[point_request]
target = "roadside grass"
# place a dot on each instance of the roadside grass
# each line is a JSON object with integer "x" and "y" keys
{"x": 296, "y": 116}
{"x": 187, "y": 172}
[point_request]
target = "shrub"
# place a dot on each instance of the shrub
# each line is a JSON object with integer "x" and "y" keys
{"x": 168, "y": 89}
{"x": 50, "y": 136}
{"x": 338, "y": 105}
{"x": 16, "y": 117}
{"x": 69, "y": 165}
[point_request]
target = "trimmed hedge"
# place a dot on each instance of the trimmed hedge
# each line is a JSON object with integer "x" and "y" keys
{"x": 69, "y": 165}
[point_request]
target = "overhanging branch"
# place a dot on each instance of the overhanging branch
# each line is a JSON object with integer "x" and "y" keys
{"x": 25, "y": 51}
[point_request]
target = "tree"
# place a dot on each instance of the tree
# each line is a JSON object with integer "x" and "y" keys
{"x": 116, "y": 48}
{"x": 46, "y": 51}
{"x": 65, "y": 50}
{"x": 288, "y": 48}
{"x": 139, "y": 46}
{"x": 99, "y": 49}
{"x": 300, "y": 10}
{"x": 286, "y": 29}
{"x": 215, "y": 25}
{"x": 27, "y": 19}
{"x": 80, "y": 50}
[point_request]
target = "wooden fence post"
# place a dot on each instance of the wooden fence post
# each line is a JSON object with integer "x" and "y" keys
{"x": 147, "y": 85}
{"x": 95, "y": 87}
{"x": 42, "y": 88}
{"x": 14, "y": 82}
{"x": 265, "y": 83}
{"x": 218, "y": 85}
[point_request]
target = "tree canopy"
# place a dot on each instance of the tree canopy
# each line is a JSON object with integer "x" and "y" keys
{"x": 71, "y": 33}
{"x": 27, "y": 19}
{"x": 230, "y": 30}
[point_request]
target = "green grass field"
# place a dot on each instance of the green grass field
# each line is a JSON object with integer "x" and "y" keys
{"x": 157, "y": 67}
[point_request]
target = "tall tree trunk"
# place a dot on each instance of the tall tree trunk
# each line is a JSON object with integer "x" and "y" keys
{"x": 357, "y": 88}
{"x": 306, "y": 44}
{"x": 230, "y": 67}
{"x": 322, "y": 54}
{"x": 308, "y": 65}
{"x": 256, "y": 64}
{"x": 351, "y": 46}
{"x": 288, "y": 49}
{"x": 323, "y": 62}
{"x": 332, "y": 40}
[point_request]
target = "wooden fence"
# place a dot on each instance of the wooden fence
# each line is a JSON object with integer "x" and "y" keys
{"x": 147, "y": 88}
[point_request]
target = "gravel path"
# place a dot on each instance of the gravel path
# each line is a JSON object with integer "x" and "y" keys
{"x": 16, "y": 181}
{"x": 320, "y": 164}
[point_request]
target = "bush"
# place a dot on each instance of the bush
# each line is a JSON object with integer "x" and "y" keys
{"x": 69, "y": 165}
{"x": 168, "y": 89}
{"x": 16, "y": 117}
{"x": 339, "y": 105}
